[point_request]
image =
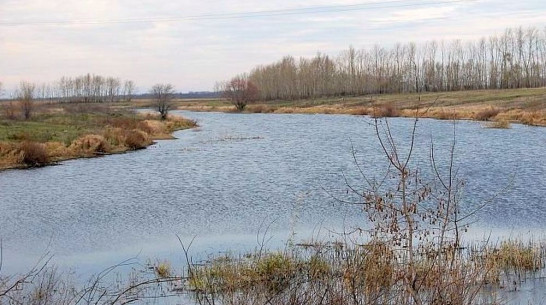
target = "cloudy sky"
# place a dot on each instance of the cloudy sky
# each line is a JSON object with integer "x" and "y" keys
{"x": 192, "y": 44}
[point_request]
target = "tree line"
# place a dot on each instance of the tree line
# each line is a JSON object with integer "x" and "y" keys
{"x": 88, "y": 88}
{"x": 514, "y": 59}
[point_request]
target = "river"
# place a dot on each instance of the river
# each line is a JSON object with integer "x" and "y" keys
{"x": 240, "y": 175}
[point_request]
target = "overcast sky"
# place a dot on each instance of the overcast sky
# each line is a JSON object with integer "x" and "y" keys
{"x": 151, "y": 41}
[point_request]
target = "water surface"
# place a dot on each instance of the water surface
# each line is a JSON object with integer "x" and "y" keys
{"x": 238, "y": 174}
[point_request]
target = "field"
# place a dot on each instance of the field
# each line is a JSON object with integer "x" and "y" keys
{"x": 58, "y": 132}
{"x": 526, "y": 106}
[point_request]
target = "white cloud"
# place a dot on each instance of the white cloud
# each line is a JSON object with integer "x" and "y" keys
{"x": 410, "y": 15}
{"x": 193, "y": 54}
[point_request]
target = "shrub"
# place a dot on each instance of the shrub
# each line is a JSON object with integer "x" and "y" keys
{"x": 487, "y": 114}
{"x": 90, "y": 144}
{"x": 34, "y": 154}
{"x": 10, "y": 111}
{"x": 385, "y": 111}
{"x": 136, "y": 139}
{"x": 114, "y": 136}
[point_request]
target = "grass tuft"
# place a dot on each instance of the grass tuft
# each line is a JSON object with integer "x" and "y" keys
{"x": 33, "y": 154}
{"x": 385, "y": 111}
{"x": 501, "y": 124}
{"x": 137, "y": 139}
{"x": 486, "y": 114}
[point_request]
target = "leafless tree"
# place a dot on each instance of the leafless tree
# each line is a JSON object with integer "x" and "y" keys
{"x": 162, "y": 97}
{"x": 514, "y": 59}
{"x": 26, "y": 95}
{"x": 87, "y": 88}
{"x": 129, "y": 90}
{"x": 420, "y": 218}
{"x": 240, "y": 91}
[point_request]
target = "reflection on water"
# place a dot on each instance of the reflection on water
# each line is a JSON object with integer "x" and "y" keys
{"x": 238, "y": 174}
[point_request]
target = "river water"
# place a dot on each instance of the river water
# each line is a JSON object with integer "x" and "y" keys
{"x": 239, "y": 175}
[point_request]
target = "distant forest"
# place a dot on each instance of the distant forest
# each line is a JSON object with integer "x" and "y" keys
{"x": 91, "y": 88}
{"x": 515, "y": 59}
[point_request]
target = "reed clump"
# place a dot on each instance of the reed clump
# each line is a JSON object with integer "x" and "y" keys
{"x": 500, "y": 124}
{"x": 163, "y": 269}
{"x": 385, "y": 111}
{"x": 33, "y": 154}
{"x": 486, "y": 114}
{"x": 517, "y": 256}
{"x": 90, "y": 145}
{"x": 260, "y": 108}
{"x": 137, "y": 139}
{"x": 370, "y": 273}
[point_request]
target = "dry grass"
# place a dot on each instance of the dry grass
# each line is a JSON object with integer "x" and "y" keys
{"x": 385, "y": 111}
{"x": 498, "y": 124}
{"x": 163, "y": 269}
{"x": 373, "y": 273}
{"x": 517, "y": 256}
{"x": 526, "y": 106}
{"x": 90, "y": 145}
{"x": 137, "y": 139}
{"x": 67, "y": 131}
{"x": 328, "y": 273}
{"x": 486, "y": 114}
{"x": 33, "y": 154}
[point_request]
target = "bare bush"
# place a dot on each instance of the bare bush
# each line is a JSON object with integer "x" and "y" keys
{"x": 240, "y": 91}
{"x": 10, "y": 111}
{"x": 25, "y": 95}
{"x": 162, "y": 95}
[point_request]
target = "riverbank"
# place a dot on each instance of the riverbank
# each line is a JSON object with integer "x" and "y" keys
{"x": 525, "y": 106}
{"x": 58, "y": 132}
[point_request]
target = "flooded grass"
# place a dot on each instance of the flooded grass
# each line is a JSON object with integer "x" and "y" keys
{"x": 311, "y": 273}
{"x": 370, "y": 273}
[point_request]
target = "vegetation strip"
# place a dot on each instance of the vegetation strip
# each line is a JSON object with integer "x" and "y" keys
{"x": 61, "y": 131}
{"x": 525, "y": 106}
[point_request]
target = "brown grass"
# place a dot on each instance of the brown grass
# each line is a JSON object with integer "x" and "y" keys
{"x": 373, "y": 273}
{"x": 33, "y": 154}
{"x": 37, "y": 142}
{"x": 260, "y": 108}
{"x": 9, "y": 110}
{"x": 137, "y": 139}
{"x": 498, "y": 124}
{"x": 526, "y": 106}
{"x": 486, "y": 114}
{"x": 90, "y": 145}
{"x": 385, "y": 111}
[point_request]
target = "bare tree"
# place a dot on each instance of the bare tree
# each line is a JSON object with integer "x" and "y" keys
{"x": 162, "y": 96}
{"x": 515, "y": 59}
{"x": 240, "y": 91}
{"x": 129, "y": 90}
{"x": 25, "y": 95}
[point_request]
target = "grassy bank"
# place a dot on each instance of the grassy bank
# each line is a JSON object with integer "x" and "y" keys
{"x": 526, "y": 106}
{"x": 59, "y": 132}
